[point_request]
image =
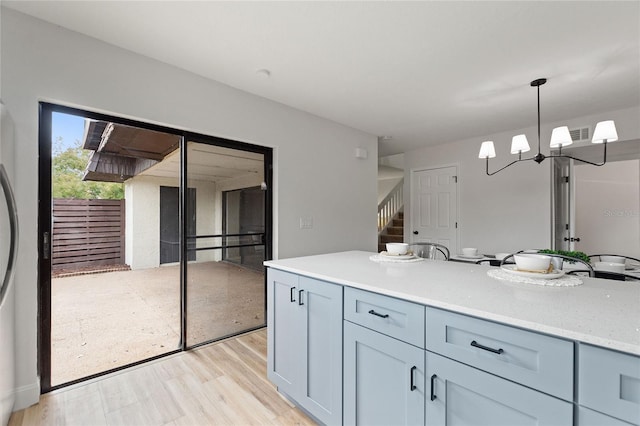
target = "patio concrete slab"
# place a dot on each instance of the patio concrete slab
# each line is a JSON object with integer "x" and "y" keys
{"x": 107, "y": 320}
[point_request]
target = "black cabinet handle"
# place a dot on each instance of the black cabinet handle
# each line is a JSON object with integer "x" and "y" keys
{"x": 486, "y": 348}
{"x": 433, "y": 387}
{"x": 372, "y": 312}
{"x": 300, "y": 298}
{"x": 292, "y": 297}
{"x": 413, "y": 386}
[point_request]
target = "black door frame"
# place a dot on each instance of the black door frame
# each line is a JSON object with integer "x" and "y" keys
{"x": 45, "y": 114}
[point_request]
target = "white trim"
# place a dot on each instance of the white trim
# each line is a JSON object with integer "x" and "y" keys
{"x": 27, "y": 396}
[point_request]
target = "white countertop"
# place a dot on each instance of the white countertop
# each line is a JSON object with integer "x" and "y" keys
{"x": 600, "y": 312}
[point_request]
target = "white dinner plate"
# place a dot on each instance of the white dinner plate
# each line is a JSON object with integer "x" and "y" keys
{"x": 396, "y": 256}
{"x": 512, "y": 269}
{"x": 477, "y": 256}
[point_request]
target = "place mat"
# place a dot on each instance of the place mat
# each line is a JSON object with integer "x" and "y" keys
{"x": 564, "y": 281}
{"x": 388, "y": 259}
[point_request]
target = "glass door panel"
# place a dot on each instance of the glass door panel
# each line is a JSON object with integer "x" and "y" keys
{"x": 115, "y": 271}
{"x": 225, "y": 248}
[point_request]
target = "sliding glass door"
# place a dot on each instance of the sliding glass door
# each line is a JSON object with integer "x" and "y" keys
{"x": 225, "y": 291}
{"x": 151, "y": 242}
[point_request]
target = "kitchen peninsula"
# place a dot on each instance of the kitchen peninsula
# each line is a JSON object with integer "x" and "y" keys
{"x": 353, "y": 341}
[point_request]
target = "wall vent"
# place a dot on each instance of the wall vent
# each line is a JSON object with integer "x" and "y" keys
{"x": 579, "y": 135}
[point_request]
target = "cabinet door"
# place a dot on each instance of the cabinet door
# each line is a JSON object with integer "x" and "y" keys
{"x": 462, "y": 395}
{"x": 383, "y": 379}
{"x": 320, "y": 314}
{"x": 284, "y": 331}
{"x": 304, "y": 342}
{"x": 609, "y": 382}
{"x": 587, "y": 417}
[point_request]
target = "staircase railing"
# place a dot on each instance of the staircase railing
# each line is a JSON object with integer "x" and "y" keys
{"x": 391, "y": 205}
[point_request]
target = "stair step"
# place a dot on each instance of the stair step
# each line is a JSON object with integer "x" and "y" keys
{"x": 398, "y": 222}
{"x": 391, "y": 238}
{"x": 395, "y": 230}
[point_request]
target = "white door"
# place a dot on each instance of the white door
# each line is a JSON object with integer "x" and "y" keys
{"x": 434, "y": 206}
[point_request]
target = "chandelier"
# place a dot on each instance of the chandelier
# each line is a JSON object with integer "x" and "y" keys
{"x": 560, "y": 137}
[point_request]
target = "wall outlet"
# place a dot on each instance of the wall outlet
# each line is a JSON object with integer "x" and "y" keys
{"x": 306, "y": 222}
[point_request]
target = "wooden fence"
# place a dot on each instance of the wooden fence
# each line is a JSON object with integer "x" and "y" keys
{"x": 87, "y": 233}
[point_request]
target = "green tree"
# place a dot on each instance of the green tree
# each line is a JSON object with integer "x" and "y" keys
{"x": 67, "y": 168}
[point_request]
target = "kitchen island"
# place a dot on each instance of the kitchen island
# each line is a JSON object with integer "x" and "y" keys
{"x": 519, "y": 340}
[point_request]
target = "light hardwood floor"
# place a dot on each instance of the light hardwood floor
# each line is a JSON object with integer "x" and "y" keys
{"x": 223, "y": 383}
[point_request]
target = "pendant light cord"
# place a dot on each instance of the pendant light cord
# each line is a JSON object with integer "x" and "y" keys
{"x": 538, "y": 119}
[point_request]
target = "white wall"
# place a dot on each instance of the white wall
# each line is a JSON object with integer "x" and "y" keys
{"x": 315, "y": 170}
{"x": 142, "y": 222}
{"x": 7, "y": 304}
{"x": 511, "y": 210}
{"x": 207, "y": 218}
{"x": 385, "y": 186}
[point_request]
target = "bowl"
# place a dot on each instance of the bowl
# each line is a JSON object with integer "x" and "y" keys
{"x": 613, "y": 259}
{"x": 397, "y": 249}
{"x": 532, "y": 262}
{"x": 469, "y": 252}
{"x": 609, "y": 267}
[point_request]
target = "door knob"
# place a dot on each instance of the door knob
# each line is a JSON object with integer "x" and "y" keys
{"x": 415, "y": 232}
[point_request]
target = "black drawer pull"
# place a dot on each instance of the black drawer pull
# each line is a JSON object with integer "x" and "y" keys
{"x": 292, "y": 297}
{"x": 372, "y": 312}
{"x": 486, "y": 348}
{"x": 433, "y": 387}
{"x": 300, "y": 298}
{"x": 413, "y": 386}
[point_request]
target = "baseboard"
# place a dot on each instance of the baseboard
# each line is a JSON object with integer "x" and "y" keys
{"x": 27, "y": 395}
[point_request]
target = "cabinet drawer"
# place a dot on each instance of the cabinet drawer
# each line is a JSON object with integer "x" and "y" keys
{"x": 609, "y": 382}
{"x": 394, "y": 317}
{"x": 535, "y": 360}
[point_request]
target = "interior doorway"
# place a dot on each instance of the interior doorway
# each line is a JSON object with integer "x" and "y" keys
{"x": 144, "y": 273}
{"x": 607, "y": 208}
{"x": 596, "y": 210}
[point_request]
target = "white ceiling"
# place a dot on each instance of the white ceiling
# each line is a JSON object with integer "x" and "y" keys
{"x": 423, "y": 72}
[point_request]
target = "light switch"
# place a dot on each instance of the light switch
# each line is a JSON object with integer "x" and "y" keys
{"x": 306, "y": 222}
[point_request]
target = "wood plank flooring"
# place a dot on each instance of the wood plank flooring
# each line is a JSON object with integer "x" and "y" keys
{"x": 224, "y": 383}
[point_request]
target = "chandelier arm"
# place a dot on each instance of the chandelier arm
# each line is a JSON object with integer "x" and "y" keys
{"x": 604, "y": 160}
{"x": 577, "y": 159}
{"x": 510, "y": 164}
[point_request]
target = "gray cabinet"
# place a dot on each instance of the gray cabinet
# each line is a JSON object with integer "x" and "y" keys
{"x": 609, "y": 382}
{"x": 304, "y": 358}
{"x": 532, "y": 359}
{"x": 379, "y": 360}
{"x": 387, "y": 315}
{"x": 587, "y": 417}
{"x": 462, "y": 395}
{"x": 383, "y": 379}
